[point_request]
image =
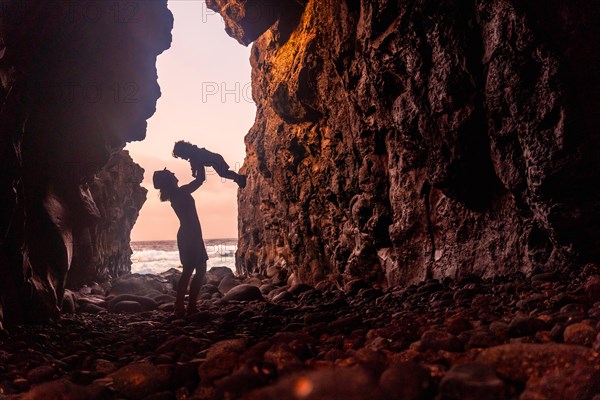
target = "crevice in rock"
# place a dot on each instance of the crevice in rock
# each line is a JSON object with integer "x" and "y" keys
{"x": 424, "y": 193}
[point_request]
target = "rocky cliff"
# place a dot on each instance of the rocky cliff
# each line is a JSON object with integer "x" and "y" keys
{"x": 399, "y": 140}
{"x": 78, "y": 81}
{"x": 102, "y": 250}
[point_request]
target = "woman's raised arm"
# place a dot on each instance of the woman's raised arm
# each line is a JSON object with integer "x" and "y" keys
{"x": 196, "y": 183}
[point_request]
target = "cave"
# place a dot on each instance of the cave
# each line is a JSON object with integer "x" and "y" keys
{"x": 421, "y": 219}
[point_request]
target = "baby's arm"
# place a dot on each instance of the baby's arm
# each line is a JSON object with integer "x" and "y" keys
{"x": 196, "y": 167}
{"x": 196, "y": 183}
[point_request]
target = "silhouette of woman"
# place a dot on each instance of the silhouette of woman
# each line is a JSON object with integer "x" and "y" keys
{"x": 192, "y": 252}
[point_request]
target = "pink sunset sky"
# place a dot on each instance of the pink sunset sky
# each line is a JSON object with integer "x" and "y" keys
{"x": 206, "y": 99}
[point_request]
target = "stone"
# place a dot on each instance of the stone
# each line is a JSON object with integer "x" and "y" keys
{"x": 243, "y": 292}
{"x": 330, "y": 383}
{"x": 216, "y": 274}
{"x": 227, "y": 283}
{"x": 40, "y": 374}
{"x": 146, "y": 303}
{"x": 344, "y": 324}
{"x": 104, "y": 367}
{"x": 472, "y": 381}
{"x": 235, "y": 346}
{"x": 546, "y": 277}
{"x": 163, "y": 299}
{"x": 90, "y": 308}
{"x": 457, "y": 325}
{"x": 592, "y": 288}
{"x": 69, "y": 304}
{"x": 127, "y": 307}
{"x": 63, "y": 389}
{"x": 217, "y": 366}
{"x": 253, "y": 281}
{"x": 283, "y": 295}
{"x": 590, "y": 269}
{"x": 241, "y": 382}
{"x": 283, "y": 358}
{"x": 166, "y": 395}
{"x": 300, "y": 288}
{"x": 579, "y": 333}
{"x": 137, "y": 381}
{"x": 523, "y": 325}
{"x": 580, "y": 381}
{"x": 440, "y": 340}
{"x": 406, "y": 381}
{"x": 181, "y": 344}
{"x": 521, "y": 362}
{"x": 596, "y": 345}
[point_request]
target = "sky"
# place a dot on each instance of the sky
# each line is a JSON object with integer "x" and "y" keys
{"x": 206, "y": 99}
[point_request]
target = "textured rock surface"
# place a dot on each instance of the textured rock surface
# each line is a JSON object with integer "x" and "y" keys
{"x": 397, "y": 140}
{"x": 78, "y": 81}
{"x": 103, "y": 250}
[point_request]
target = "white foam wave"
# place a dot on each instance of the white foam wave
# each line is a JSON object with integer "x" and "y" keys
{"x": 150, "y": 260}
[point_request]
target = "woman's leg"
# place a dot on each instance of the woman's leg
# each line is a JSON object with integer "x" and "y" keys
{"x": 197, "y": 282}
{"x": 182, "y": 289}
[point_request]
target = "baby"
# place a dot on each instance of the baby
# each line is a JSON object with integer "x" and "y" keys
{"x": 200, "y": 158}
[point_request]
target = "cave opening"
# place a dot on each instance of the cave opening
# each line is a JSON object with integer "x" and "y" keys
{"x": 206, "y": 100}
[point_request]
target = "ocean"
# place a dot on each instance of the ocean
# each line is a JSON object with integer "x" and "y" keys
{"x": 159, "y": 256}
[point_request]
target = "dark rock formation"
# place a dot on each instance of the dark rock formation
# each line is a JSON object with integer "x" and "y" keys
{"x": 398, "y": 140}
{"x": 102, "y": 250}
{"x": 78, "y": 81}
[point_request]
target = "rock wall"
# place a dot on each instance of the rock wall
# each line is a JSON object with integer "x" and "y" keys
{"x": 401, "y": 140}
{"x": 78, "y": 81}
{"x": 102, "y": 250}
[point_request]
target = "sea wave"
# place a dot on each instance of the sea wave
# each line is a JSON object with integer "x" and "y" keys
{"x": 159, "y": 256}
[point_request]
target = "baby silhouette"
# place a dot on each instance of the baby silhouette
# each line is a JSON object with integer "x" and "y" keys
{"x": 200, "y": 158}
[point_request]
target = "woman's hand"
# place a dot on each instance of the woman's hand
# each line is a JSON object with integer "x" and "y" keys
{"x": 196, "y": 183}
{"x": 201, "y": 174}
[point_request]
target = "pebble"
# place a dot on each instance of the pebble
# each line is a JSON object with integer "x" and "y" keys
{"x": 473, "y": 381}
{"x": 440, "y": 340}
{"x": 331, "y": 383}
{"x": 579, "y": 333}
{"x": 243, "y": 292}
{"x": 406, "y": 381}
{"x": 478, "y": 338}
{"x": 592, "y": 288}
{"x": 127, "y": 307}
{"x": 227, "y": 283}
{"x": 525, "y": 362}
{"x": 523, "y": 325}
{"x": 146, "y": 303}
{"x": 40, "y": 374}
{"x": 136, "y": 381}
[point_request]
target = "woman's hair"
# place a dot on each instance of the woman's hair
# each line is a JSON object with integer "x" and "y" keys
{"x": 163, "y": 181}
{"x": 183, "y": 149}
